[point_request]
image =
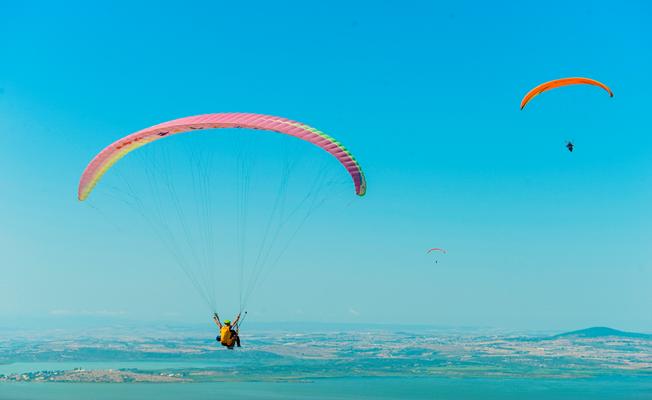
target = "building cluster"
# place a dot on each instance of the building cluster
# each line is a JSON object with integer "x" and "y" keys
{"x": 36, "y": 376}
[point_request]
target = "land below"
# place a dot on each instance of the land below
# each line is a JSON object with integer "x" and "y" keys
{"x": 292, "y": 356}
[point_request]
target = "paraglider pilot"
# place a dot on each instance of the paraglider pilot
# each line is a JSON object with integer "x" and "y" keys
{"x": 228, "y": 332}
{"x": 570, "y": 146}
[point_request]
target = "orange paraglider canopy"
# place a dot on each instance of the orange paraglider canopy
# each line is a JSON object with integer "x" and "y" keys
{"x": 562, "y": 82}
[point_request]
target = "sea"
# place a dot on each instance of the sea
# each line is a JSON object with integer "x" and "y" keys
{"x": 603, "y": 388}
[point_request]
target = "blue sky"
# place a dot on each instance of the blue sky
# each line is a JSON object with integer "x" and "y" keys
{"x": 425, "y": 95}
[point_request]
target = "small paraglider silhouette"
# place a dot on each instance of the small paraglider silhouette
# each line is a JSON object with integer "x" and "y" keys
{"x": 570, "y": 146}
{"x": 437, "y": 249}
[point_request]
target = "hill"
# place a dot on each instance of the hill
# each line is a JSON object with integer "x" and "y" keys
{"x": 601, "y": 331}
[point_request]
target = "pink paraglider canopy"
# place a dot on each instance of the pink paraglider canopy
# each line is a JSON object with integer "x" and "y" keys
{"x": 114, "y": 152}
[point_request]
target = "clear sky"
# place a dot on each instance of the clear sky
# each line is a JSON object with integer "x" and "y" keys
{"x": 425, "y": 94}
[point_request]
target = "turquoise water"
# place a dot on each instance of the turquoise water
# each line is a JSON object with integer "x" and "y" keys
{"x": 333, "y": 389}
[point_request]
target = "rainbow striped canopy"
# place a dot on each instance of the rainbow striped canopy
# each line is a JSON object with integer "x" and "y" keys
{"x": 114, "y": 152}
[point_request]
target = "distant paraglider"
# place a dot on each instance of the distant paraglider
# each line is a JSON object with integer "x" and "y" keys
{"x": 559, "y": 83}
{"x": 438, "y": 250}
